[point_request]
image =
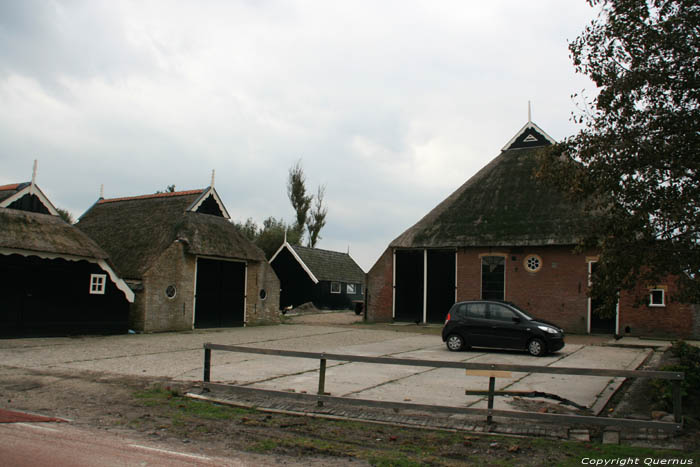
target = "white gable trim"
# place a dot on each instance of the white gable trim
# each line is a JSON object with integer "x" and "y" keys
{"x": 525, "y": 127}
{"x": 121, "y": 285}
{"x": 204, "y": 196}
{"x": 297, "y": 258}
{"x": 31, "y": 189}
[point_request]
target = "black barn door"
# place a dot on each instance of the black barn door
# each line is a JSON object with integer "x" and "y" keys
{"x": 220, "y": 298}
{"x": 409, "y": 286}
{"x": 441, "y": 284}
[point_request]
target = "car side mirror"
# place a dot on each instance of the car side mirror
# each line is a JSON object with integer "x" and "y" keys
{"x": 516, "y": 319}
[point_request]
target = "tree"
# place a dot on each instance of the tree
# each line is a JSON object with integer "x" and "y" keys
{"x": 317, "y": 217}
{"x": 168, "y": 189}
{"x": 296, "y": 191}
{"x": 635, "y": 163}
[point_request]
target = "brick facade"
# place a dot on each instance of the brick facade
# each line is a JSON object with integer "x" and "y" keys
{"x": 154, "y": 311}
{"x": 556, "y": 292}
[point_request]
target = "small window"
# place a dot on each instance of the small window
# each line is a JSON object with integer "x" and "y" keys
{"x": 351, "y": 289}
{"x": 657, "y": 297}
{"x": 97, "y": 284}
{"x": 170, "y": 291}
{"x": 533, "y": 263}
{"x": 477, "y": 310}
{"x": 335, "y": 287}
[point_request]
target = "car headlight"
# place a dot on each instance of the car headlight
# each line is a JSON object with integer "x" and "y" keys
{"x": 549, "y": 330}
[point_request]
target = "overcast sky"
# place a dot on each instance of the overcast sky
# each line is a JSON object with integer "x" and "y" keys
{"x": 391, "y": 104}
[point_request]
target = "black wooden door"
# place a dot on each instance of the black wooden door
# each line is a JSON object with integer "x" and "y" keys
{"x": 409, "y": 285}
{"x": 220, "y": 294}
{"x": 441, "y": 284}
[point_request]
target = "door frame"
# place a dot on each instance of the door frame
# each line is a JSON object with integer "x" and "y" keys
{"x": 589, "y": 264}
{"x": 245, "y": 285}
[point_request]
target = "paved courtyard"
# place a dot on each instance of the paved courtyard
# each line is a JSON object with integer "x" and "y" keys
{"x": 179, "y": 356}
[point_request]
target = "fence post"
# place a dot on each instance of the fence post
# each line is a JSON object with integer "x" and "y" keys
{"x": 322, "y": 381}
{"x": 492, "y": 387}
{"x": 207, "y": 364}
{"x": 677, "y": 414}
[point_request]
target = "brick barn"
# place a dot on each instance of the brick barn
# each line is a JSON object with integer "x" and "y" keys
{"x": 502, "y": 235}
{"x": 55, "y": 280}
{"x": 185, "y": 260}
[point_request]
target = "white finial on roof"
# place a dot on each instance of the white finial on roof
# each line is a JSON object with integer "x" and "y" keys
{"x": 285, "y": 235}
{"x": 529, "y": 113}
{"x": 213, "y": 172}
{"x": 102, "y": 191}
{"x": 348, "y": 249}
{"x": 34, "y": 172}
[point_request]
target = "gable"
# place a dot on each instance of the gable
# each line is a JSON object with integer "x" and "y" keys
{"x": 210, "y": 203}
{"x": 26, "y": 197}
{"x": 529, "y": 136}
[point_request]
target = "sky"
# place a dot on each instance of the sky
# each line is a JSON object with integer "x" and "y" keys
{"x": 391, "y": 105}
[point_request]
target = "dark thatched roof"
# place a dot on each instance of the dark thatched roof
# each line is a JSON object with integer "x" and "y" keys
{"x": 44, "y": 233}
{"x": 502, "y": 205}
{"x": 135, "y": 231}
{"x": 329, "y": 265}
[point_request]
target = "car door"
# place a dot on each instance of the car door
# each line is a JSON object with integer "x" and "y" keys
{"x": 477, "y": 325}
{"x": 505, "y": 327}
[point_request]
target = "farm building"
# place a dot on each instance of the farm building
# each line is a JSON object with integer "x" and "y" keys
{"x": 55, "y": 280}
{"x": 504, "y": 236}
{"x": 328, "y": 279}
{"x": 188, "y": 265}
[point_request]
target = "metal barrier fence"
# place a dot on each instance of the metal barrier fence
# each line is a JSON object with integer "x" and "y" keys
{"x": 484, "y": 369}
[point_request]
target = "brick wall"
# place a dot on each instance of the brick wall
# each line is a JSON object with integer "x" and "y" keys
{"x": 674, "y": 320}
{"x": 380, "y": 288}
{"x": 261, "y": 276}
{"x": 173, "y": 267}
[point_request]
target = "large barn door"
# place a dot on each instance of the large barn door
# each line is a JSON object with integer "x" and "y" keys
{"x": 441, "y": 284}
{"x": 220, "y": 298}
{"x": 408, "y": 305}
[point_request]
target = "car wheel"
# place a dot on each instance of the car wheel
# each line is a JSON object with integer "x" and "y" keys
{"x": 454, "y": 342}
{"x": 536, "y": 347}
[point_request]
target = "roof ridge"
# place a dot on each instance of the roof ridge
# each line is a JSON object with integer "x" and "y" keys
{"x": 154, "y": 195}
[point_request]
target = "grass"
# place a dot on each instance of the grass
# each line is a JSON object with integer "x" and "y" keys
{"x": 379, "y": 445}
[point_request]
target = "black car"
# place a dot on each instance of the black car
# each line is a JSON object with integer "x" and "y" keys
{"x": 497, "y": 324}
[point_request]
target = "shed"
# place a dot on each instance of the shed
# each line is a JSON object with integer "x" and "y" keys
{"x": 328, "y": 279}
{"x": 55, "y": 279}
{"x": 188, "y": 264}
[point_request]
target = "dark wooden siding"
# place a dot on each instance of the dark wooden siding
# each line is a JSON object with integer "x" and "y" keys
{"x": 51, "y": 297}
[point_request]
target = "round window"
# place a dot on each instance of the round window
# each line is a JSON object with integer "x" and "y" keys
{"x": 533, "y": 263}
{"x": 170, "y": 291}
{"x": 263, "y": 294}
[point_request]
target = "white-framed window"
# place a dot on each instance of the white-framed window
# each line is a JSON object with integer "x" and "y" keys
{"x": 657, "y": 297}
{"x": 351, "y": 289}
{"x": 532, "y": 263}
{"x": 97, "y": 284}
{"x": 335, "y": 287}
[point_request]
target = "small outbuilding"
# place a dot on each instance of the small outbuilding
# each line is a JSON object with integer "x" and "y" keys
{"x": 328, "y": 279}
{"x": 55, "y": 279}
{"x": 187, "y": 263}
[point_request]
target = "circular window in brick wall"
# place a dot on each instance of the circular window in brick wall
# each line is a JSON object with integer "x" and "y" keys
{"x": 533, "y": 263}
{"x": 170, "y": 291}
{"x": 263, "y": 294}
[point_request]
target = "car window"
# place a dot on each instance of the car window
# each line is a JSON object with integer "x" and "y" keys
{"x": 459, "y": 312}
{"x": 476, "y": 310}
{"x": 500, "y": 313}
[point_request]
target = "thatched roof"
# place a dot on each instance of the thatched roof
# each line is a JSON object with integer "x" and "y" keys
{"x": 329, "y": 265}
{"x": 44, "y": 233}
{"x": 502, "y": 205}
{"x": 136, "y": 230}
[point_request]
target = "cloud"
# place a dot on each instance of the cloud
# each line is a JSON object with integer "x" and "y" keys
{"x": 392, "y": 105}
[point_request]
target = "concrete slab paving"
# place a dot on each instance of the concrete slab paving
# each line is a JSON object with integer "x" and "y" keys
{"x": 180, "y": 356}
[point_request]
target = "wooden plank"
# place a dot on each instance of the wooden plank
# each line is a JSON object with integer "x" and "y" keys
{"x": 490, "y": 373}
{"x": 544, "y": 417}
{"x": 672, "y": 375}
